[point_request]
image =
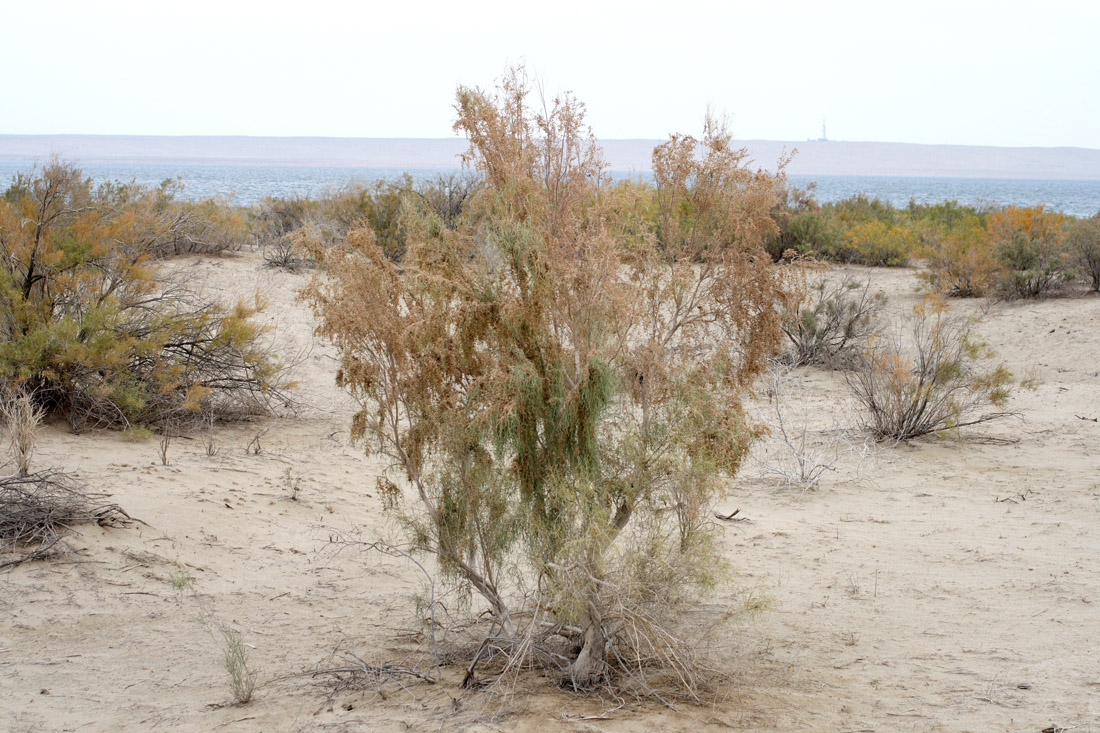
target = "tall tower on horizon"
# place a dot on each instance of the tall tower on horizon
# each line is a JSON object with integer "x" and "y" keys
{"x": 824, "y": 138}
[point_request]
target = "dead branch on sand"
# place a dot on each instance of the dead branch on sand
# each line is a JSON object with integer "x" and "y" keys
{"x": 37, "y": 509}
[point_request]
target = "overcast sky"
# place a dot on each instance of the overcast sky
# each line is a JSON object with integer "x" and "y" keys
{"x": 984, "y": 73}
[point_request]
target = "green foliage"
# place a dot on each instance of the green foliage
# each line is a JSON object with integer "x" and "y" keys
{"x": 857, "y": 230}
{"x": 242, "y": 680}
{"x": 89, "y": 326}
{"x": 794, "y": 207}
{"x": 1011, "y": 251}
{"x": 814, "y": 233}
{"x": 876, "y": 242}
{"x": 943, "y": 216}
{"x": 861, "y": 208}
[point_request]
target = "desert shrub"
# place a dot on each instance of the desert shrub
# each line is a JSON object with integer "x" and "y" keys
{"x": 275, "y": 224}
{"x": 815, "y": 234}
{"x": 861, "y": 209}
{"x": 1083, "y": 243}
{"x": 286, "y": 253}
{"x": 793, "y": 203}
{"x": 943, "y": 216}
{"x": 207, "y": 226}
{"x": 559, "y": 382}
{"x": 380, "y": 207}
{"x": 447, "y": 195}
{"x": 932, "y": 375}
{"x": 1029, "y": 244}
{"x": 288, "y": 230}
{"x": 90, "y": 327}
{"x": 272, "y": 218}
{"x": 960, "y": 259}
{"x": 831, "y": 322}
{"x": 877, "y": 243}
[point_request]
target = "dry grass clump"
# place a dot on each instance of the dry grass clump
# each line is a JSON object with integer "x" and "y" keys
{"x": 21, "y": 419}
{"x": 37, "y": 509}
{"x": 931, "y": 376}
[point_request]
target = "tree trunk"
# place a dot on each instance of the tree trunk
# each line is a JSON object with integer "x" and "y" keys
{"x": 590, "y": 666}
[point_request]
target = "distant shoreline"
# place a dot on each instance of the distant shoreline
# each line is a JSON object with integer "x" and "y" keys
{"x": 814, "y": 157}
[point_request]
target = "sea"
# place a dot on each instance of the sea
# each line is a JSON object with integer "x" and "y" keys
{"x": 245, "y": 184}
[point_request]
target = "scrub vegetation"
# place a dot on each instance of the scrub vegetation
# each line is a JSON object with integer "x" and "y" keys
{"x": 90, "y": 326}
{"x": 558, "y": 376}
{"x": 555, "y": 364}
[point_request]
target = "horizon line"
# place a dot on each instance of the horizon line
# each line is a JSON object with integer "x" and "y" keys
{"x": 657, "y": 140}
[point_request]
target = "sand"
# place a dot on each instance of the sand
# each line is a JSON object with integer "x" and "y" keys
{"x": 946, "y": 584}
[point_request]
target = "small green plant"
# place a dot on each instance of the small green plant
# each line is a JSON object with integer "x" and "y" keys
{"x": 183, "y": 581}
{"x": 242, "y": 680}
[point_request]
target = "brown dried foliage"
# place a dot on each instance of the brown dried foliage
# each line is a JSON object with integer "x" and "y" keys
{"x": 558, "y": 376}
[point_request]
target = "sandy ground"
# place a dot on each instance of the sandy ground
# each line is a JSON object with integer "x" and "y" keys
{"x": 948, "y": 584}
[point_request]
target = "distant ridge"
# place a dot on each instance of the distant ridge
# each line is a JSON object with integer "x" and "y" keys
{"x": 813, "y": 158}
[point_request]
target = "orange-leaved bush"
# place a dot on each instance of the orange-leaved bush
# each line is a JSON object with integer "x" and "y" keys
{"x": 1029, "y": 244}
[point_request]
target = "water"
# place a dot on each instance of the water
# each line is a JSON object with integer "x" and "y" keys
{"x": 1075, "y": 197}
{"x": 244, "y": 184}
{"x": 249, "y": 183}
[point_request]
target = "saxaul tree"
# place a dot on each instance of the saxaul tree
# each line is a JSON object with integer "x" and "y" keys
{"x": 558, "y": 376}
